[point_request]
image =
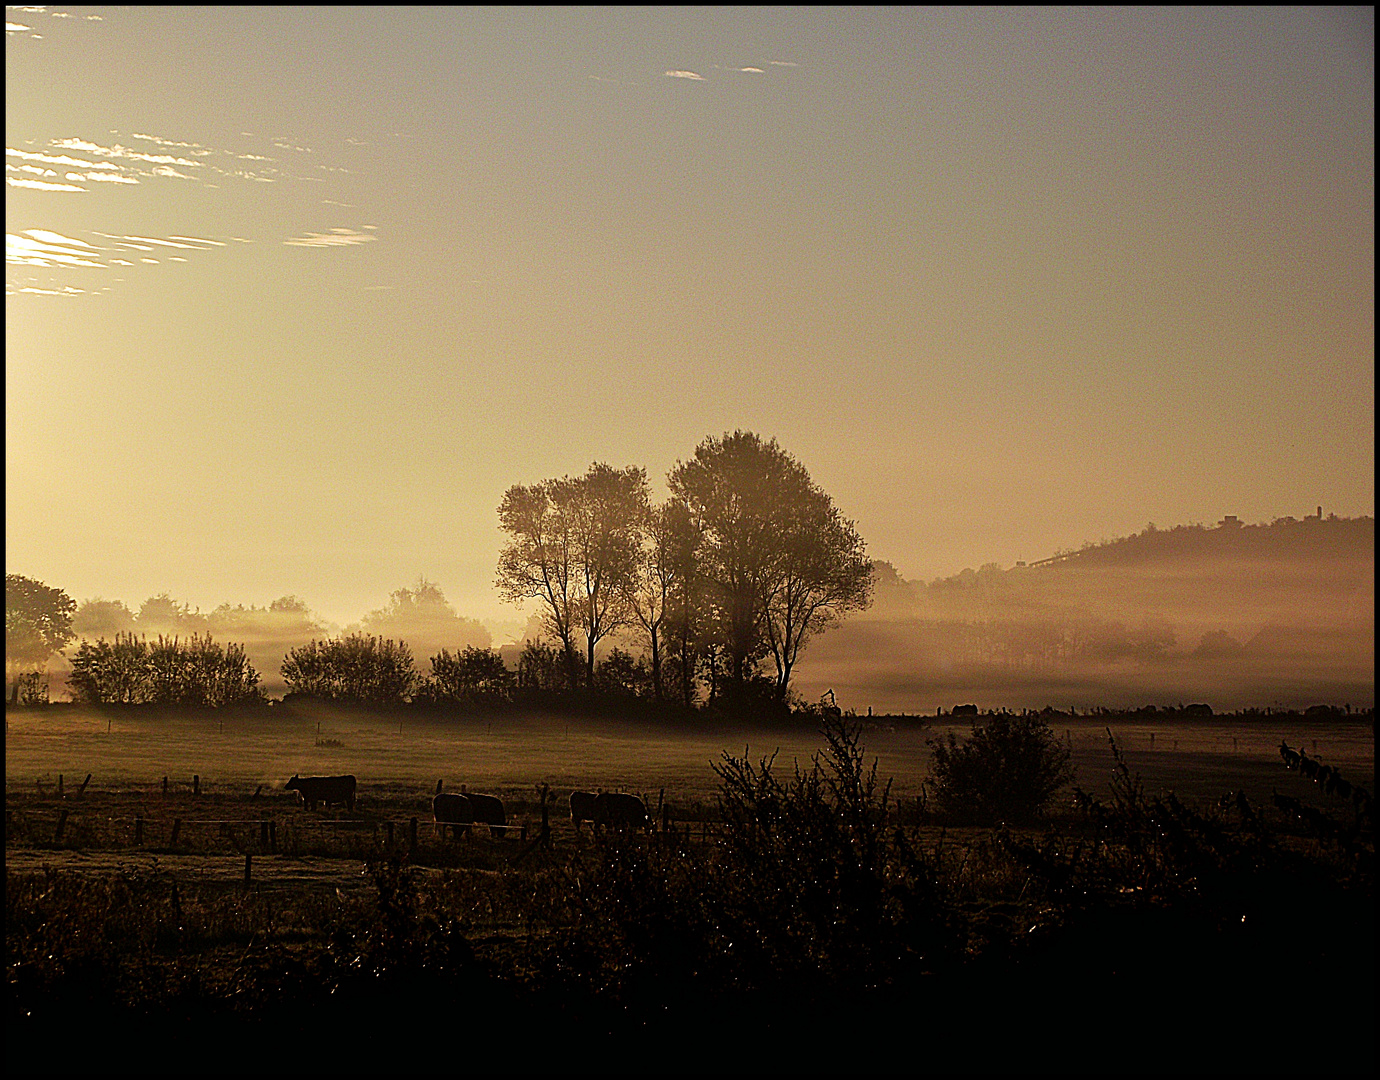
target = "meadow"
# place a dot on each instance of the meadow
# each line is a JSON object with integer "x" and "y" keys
{"x": 776, "y": 912}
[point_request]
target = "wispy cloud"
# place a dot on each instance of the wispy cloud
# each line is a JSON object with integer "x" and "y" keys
{"x": 52, "y": 159}
{"x": 783, "y": 63}
{"x": 41, "y": 185}
{"x": 334, "y": 238}
{"x": 696, "y": 76}
{"x": 38, "y": 247}
{"x": 118, "y": 151}
{"x": 109, "y": 178}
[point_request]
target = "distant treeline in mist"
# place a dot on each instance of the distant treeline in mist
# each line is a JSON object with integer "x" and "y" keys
{"x": 1238, "y": 615}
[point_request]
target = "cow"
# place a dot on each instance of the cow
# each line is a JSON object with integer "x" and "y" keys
{"x": 487, "y": 810}
{"x": 1290, "y": 756}
{"x": 617, "y": 810}
{"x": 451, "y": 809}
{"x": 323, "y": 789}
{"x": 582, "y": 807}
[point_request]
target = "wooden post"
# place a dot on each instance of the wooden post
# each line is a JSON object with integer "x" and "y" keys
{"x": 177, "y": 828}
{"x": 165, "y": 785}
{"x": 196, "y": 785}
{"x": 263, "y": 834}
{"x": 412, "y": 837}
{"x": 60, "y": 779}
{"x": 248, "y": 860}
{"x": 138, "y": 832}
{"x": 82, "y": 790}
{"x": 62, "y": 824}
{"x": 545, "y": 817}
{"x": 273, "y": 836}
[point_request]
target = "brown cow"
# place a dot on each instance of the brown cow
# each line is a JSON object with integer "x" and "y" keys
{"x": 454, "y": 810}
{"x": 582, "y": 807}
{"x": 323, "y": 789}
{"x": 615, "y": 809}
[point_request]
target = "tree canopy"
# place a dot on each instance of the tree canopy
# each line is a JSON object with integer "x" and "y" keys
{"x": 781, "y": 561}
{"x": 38, "y": 623}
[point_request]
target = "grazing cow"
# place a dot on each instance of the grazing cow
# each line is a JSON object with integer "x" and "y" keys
{"x": 323, "y": 789}
{"x": 615, "y": 809}
{"x": 487, "y": 810}
{"x": 450, "y": 809}
{"x": 1308, "y": 766}
{"x": 1290, "y": 756}
{"x": 582, "y": 807}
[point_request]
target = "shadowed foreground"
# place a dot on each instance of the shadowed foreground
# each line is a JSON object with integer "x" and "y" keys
{"x": 815, "y": 928}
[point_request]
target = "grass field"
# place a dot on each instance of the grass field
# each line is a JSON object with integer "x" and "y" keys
{"x": 613, "y": 952}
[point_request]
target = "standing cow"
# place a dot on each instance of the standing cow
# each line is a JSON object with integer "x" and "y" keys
{"x": 323, "y": 789}
{"x": 488, "y": 810}
{"x": 454, "y": 810}
{"x": 582, "y": 807}
{"x": 613, "y": 809}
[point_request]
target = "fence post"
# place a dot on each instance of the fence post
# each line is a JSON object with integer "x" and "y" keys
{"x": 412, "y": 837}
{"x": 196, "y": 785}
{"x": 273, "y": 836}
{"x": 545, "y": 817}
{"x": 177, "y": 828}
{"x": 263, "y": 834}
{"x": 62, "y": 823}
{"x": 60, "y": 778}
{"x": 82, "y": 790}
{"x": 138, "y": 831}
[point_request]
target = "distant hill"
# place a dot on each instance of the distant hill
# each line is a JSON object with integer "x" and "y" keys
{"x": 1241, "y": 615}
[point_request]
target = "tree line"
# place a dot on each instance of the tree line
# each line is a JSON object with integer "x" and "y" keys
{"x": 720, "y": 588}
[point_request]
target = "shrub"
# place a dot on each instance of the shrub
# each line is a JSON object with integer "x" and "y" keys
{"x": 475, "y": 676}
{"x": 135, "y": 671}
{"x": 1007, "y": 770}
{"x": 809, "y": 892}
{"x": 357, "y": 668}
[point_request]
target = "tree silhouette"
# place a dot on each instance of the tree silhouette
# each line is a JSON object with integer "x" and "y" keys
{"x": 782, "y": 562}
{"x": 38, "y": 623}
{"x": 575, "y": 546}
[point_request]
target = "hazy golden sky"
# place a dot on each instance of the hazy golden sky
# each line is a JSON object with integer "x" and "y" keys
{"x": 294, "y": 295}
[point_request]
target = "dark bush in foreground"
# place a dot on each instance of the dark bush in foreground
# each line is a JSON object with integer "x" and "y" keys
{"x": 1007, "y": 770}
{"x": 810, "y": 891}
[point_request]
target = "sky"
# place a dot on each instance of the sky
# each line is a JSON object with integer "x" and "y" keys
{"x": 293, "y": 295}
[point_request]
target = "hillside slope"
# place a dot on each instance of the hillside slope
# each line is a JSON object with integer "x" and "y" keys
{"x": 1235, "y": 615}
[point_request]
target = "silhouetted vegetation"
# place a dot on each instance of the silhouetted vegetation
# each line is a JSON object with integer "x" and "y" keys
{"x": 38, "y": 623}
{"x": 134, "y": 671}
{"x": 816, "y": 905}
{"x": 354, "y": 669}
{"x": 1008, "y": 770}
{"x": 748, "y": 561}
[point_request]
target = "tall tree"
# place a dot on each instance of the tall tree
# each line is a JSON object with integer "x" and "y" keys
{"x": 537, "y": 563}
{"x": 38, "y": 623}
{"x": 822, "y": 573}
{"x": 782, "y": 563}
{"x": 656, "y": 583}
{"x": 575, "y": 544}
